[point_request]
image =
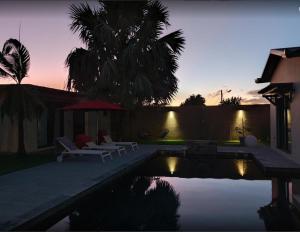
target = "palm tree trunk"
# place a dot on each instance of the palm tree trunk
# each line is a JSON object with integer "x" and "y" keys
{"x": 21, "y": 146}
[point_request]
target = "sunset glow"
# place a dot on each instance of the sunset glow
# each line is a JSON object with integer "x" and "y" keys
{"x": 210, "y": 62}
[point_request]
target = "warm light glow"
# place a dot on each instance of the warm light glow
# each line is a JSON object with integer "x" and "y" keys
{"x": 241, "y": 114}
{"x": 172, "y": 163}
{"x": 172, "y": 125}
{"x": 241, "y": 166}
{"x": 171, "y": 114}
{"x": 240, "y": 121}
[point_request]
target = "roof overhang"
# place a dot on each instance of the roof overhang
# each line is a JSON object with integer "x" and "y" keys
{"x": 275, "y": 56}
{"x": 274, "y": 91}
{"x": 93, "y": 105}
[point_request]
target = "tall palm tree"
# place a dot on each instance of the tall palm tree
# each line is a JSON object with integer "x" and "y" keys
{"x": 16, "y": 101}
{"x": 128, "y": 58}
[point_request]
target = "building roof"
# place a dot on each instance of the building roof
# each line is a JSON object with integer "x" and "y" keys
{"x": 277, "y": 88}
{"x": 93, "y": 105}
{"x": 274, "y": 59}
{"x": 57, "y": 96}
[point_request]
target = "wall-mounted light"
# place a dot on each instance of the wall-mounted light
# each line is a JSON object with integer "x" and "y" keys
{"x": 241, "y": 114}
{"x": 171, "y": 114}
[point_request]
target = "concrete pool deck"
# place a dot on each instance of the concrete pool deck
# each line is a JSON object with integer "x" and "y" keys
{"x": 29, "y": 196}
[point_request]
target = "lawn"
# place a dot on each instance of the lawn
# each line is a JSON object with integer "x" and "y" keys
{"x": 182, "y": 142}
{"x": 12, "y": 162}
{"x": 163, "y": 141}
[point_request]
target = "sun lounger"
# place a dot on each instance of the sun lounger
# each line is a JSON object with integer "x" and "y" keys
{"x": 93, "y": 146}
{"x": 109, "y": 141}
{"x": 72, "y": 149}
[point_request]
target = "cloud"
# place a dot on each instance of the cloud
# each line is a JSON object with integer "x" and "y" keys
{"x": 253, "y": 101}
{"x": 254, "y": 93}
{"x": 253, "y": 97}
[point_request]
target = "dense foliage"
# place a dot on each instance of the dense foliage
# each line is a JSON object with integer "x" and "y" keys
{"x": 194, "y": 100}
{"x": 128, "y": 58}
{"x": 233, "y": 101}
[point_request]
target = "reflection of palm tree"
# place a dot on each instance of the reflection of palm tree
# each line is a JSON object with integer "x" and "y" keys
{"x": 163, "y": 203}
{"x": 131, "y": 205}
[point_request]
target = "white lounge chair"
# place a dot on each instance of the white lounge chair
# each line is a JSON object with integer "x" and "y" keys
{"x": 93, "y": 146}
{"x": 72, "y": 149}
{"x": 109, "y": 141}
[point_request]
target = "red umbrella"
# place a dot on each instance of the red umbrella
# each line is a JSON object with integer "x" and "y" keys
{"x": 93, "y": 105}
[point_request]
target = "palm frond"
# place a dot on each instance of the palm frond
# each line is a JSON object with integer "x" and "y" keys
{"x": 175, "y": 40}
{"x": 18, "y": 56}
{"x": 5, "y": 67}
{"x": 84, "y": 19}
{"x": 83, "y": 71}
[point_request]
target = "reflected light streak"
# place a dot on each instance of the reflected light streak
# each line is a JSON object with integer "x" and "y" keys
{"x": 172, "y": 163}
{"x": 241, "y": 166}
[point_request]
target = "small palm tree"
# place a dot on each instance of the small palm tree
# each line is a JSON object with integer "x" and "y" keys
{"x": 16, "y": 101}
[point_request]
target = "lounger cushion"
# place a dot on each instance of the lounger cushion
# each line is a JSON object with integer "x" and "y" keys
{"x": 81, "y": 140}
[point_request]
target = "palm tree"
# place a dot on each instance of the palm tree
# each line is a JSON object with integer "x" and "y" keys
{"x": 17, "y": 102}
{"x": 127, "y": 58}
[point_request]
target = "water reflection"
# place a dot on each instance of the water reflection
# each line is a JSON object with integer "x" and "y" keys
{"x": 172, "y": 193}
{"x": 134, "y": 203}
{"x": 172, "y": 162}
{"x": 241, "y": 165}
{"x": 205, "y": 168}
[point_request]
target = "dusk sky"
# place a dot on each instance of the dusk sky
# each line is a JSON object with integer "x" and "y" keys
{"x": 227, "y": 42}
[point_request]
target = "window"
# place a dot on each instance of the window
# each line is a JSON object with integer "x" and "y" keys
{"x": 283, "y": 117}
{"x": 42, "y": 125}
{"x": 45, "y": 128}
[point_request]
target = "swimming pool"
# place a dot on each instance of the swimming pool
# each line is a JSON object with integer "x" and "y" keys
{"x": 175, "y": 193}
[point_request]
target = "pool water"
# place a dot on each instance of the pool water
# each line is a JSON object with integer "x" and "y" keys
{"x": 172, "y": 193}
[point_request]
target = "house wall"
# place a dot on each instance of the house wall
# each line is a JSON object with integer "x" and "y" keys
{"x": 195, "y": 122}
{"x": 288, "y": 71}
{"x": 68, "y": 124}
{"x": 9, "y": 135}
{"x": 273, "y": 136}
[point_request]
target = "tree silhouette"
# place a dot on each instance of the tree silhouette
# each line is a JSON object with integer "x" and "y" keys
{"x": 233, "y": 101}
{"x": 127, "y": 58}
{"x": 194, "y": 100}
{"x": 17, "y": 101}
{"x": 132, "y": 204}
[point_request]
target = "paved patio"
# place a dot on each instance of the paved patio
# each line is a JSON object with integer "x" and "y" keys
{"x": 30, "y": 194}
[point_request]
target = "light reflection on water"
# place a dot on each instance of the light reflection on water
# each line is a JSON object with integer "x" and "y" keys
{"x": 171, "y": 193}
{"x": 241, "y": 166}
